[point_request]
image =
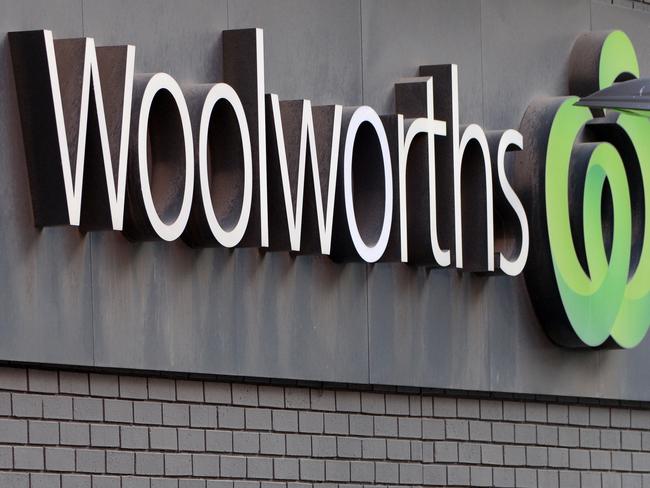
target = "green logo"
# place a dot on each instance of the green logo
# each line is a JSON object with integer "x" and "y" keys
{"x": 591, "y": 281}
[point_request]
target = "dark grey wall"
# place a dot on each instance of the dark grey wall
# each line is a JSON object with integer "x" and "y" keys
{"x": 98, "y": 300}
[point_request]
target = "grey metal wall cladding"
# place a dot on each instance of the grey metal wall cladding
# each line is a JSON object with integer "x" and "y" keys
{"x": 99, "y": 300}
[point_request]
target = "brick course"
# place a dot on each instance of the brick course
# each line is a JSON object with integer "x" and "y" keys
{"x": 68, "y": 429}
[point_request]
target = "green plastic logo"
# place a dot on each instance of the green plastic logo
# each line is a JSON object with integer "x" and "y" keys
{"x": 592, "y": 161}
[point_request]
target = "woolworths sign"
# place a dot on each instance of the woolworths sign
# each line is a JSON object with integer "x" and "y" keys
{"x": 227, "y": 165}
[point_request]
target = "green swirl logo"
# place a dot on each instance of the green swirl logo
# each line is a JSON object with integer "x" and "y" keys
{"x": 591, "y": 281}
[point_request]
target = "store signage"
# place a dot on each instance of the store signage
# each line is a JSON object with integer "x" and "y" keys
{"x": 226, "y": 165}
{"x": 584, "y": 178}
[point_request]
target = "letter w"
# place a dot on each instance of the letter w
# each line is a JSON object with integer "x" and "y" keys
{"x": 59, "y": 121}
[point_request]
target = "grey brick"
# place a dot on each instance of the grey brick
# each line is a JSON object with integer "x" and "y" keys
{"x": 57, "y": 407}
{"x": 104, "y": 385}
{"x": 601, "y": 460}
{"x": 548, "y": 478}
{"x": 191, "y": 440}
{"x": 457, "y": 429}
{"x": 59, "y": 459}
{"x": 433, "y": 429}
{"x": 525, "y": 434}
{"x": 270, "y": 396}
{"x": 118, "y": 411}
{"x": 149, "y": 463}
{"x": 620, "y": 417}
{"x": 120, "y": 462}
{"x": 621, "y": 461}
{"x": 612, "y": 480}
{"x": 6, "y": 457}
{"x": 205, "y": 465}
{"x": 410, "y": 473}
{"x": 350, "y": 447}
{"x": 132, "y": 437}
{"x": 525, "y": 478}
{"x": 361, "y": 425}
{"x": 641, "y": 461}
{"x": 50, "y": 480}
{"x": 503, "y": 477}
{"x": 444, "y": 407}
{"x": 244, "y": 394}
{"x": 372, "y": 403}
{"x": 298, "y": 445}
{"x": 74, "y": 383}
{"x": 589, "y": 438}
{"x": 558, "y": 457}
{"x": 323, "y": 400}
{"x": 29, "y": 458}
{"x": 203, "y": 416}
{"x": 218, "y": 441}
{"x": 386, "y": 473}
{"x": 492, "y": 454}
{"x": 491, "y": 409}
{"x": 398, "y": 449}
{"x": 386, "y": 426}
{"x": 416, "y": 450}
{"x": 297, "y": 398}
{"x": 246, "y": 442}
{"x": 397, "y": 404}
{"x": 217, "y": 392}
{"x": 161, "y": 389}
{"x": 75, "y": 481}
{"x": 610, "y": 439}
{"x": 362, "y": 471}
{"x": 189, "y": 390}
{"x": 5, "y": 403}
{"x": 260, "y": 468}
{"x": 536, "y": 456}
{"x": 135, "y": 482}
{"x": 373, "y": 448}
{"x": 578, "y": 415}
{"x": 336, "y": 423}
{"x": 310, "y": 422}
{"x": 568, "y": 437}
{"x": 434, "y": 475}
{"x": 557, "y": 414}
{"x": 104, "y": 435}
{"x": 286, "y": 468}
{"x": 167, "y": 483}
{"x": 350, "y": 401}
{"x": 631, "y": 440}
{"x": 502, "y": 432}
{"x": 147, "y": 413}
{"x": 14, "y": 480}
{"x": 645, "y": 440}
{"x": 590, "y": 479}
{"x": 41, "y": 432}
{"x": 480, "y": 476}
{"x": 535, "y": 412}
{"x": 258, "y": 418}
{"x": 27, "y": 405}
{"x": 480, "y": 430}
{"x": 514, "y": 411}
{"x": 163, "y": 438}
{"x": 410, "y": 427}
{"x": 312, "y": 470}
{"x": 271, "y": 443}
{"x": 134, "y": 387}
{"x": 13, "y": 379}
{"x": 91, "y": 461}
{"x": 640, "y": 419}
{"x": 446, "y": 452}
{"x": 178, "y": 464}
{"x": 579, "y": 459}
{"x": 468, "y": 408}
{"x": 458, "y": 475}
{"x": 13, "y": 431}
{"x": 323, "y": 446}
{"x": 176, "y": 414}
{"x": 514, "y": 455}
{"x": 43, "y": 381}
{"x": 88, "y": 409}
{"x": 101, "y": 481}
{"x": 547, "y": 435}
{"x": 74, "y": 434}
{"x": 185, "y": 483}
{"x": 599, "y": 416}
{"x": 285, "y": 420}
{"x": 469, "y": 453}
{"x": 233, "y": 466}
{"x": 632, "y": 480}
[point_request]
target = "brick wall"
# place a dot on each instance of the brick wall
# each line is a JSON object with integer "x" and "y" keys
{"x": 74, "y": 430}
